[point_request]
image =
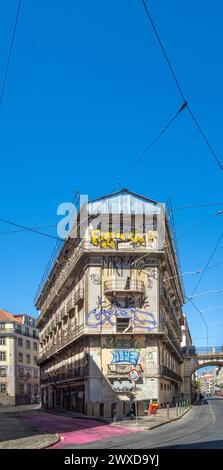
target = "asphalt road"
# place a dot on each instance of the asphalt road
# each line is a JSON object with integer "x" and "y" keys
{"x": 201, "y": 428}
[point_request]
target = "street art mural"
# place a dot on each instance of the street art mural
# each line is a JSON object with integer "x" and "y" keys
{"x": 138, "y": 318}
{"x": 125, "y": 356}
{"x": 123, "y": 386}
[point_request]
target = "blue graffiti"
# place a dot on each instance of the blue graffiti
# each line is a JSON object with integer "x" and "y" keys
{"x": 99, "y": 316}
{"x": 125, "y": 355}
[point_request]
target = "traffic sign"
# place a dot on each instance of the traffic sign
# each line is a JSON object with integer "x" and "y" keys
{"x": 134, "y": 374}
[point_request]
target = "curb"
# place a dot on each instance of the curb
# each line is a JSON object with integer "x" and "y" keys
{"x": 145, "y": 428}
{"x": 50, "y": 445}
{"x": 170, "y": 420}
{"x": 69, "y": 415}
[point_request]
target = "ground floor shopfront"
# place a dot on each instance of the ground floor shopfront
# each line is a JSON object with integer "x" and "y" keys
{"x": 65, "y": 396}
{"x": 75, "y": 397}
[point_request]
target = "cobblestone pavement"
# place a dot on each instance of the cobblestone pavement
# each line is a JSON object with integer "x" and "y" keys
{"x": 76, "y": 430}
{"x": 29, "y": 427}
{"x": 17, "y": 433}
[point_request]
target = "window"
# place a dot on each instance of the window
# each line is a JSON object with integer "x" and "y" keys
{"x": 18, "y": 328}
{"x": 2, "y": 388}
{"x": 164, "y": 386}
{"x": 27, "y": 344}
{"x": 2, "y": 326}
{"x": 21, "y": 372}
{"x": 35, "y": 346}
{"x": 21, "y": 388}
{"x": 3, "y": 371}
{"x": 161, "y": 386}
{"x": 20, "y": 342}
{"x": 28, "y": 358}
{"x": 2, "y": 341}
{"x": 35, "y": 359}
{"x": 2, "y": 356}
{"x": 34, "y": 334}
{"x": 26, "y": 331}
{"x": 121, "y": 324}
{"x": 35, "y": 373}
{"x": 20, "y": 357}
{"x": 29, "y": 389}
{"x": 35, "y": 389}
{"x": 154, "y": 221}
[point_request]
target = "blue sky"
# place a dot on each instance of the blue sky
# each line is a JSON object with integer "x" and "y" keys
{"x": 88, "y": 89}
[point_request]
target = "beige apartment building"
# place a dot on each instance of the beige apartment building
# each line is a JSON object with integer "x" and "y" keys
{"x": 110, "y": 310}
{"x": 207, "y": 383}
{"x": 19, "y": 349}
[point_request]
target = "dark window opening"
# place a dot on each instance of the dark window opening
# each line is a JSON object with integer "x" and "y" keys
{"x": 122, "y": 324}
{"x": 154, "y": 221}
{"x": 101, "y": 410}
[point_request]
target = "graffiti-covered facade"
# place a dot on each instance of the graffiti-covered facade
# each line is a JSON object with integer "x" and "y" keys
{"x": 112, "y": 304}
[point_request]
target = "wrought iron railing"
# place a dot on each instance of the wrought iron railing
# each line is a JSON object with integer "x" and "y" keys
{"x": 123, "y": 285}
{"x": 62, "y": 376}
{"x": 61, "y": 341}
{"x": 165, "y": 371}
{"x": 123, "y": 369}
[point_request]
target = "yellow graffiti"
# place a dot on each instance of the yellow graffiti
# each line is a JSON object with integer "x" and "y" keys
{"x": 152, "y": 235}
{"x": 111, "y": 239}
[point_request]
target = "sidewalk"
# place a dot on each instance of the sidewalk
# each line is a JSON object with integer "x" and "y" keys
{"x": 142, "y": 422}
{"x": 16, "y": 433}
{"x": 151, "y": 421}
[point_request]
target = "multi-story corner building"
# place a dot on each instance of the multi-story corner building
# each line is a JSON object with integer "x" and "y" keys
{"x": 19, "y": 348}
{"x": 207, "y": 383}
{"x": 112, "y": 303}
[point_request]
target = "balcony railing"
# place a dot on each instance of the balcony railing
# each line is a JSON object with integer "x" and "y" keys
{"x": 123, "y": 285}
{"x": 166, "y": 372}
{"x": 65, "y": 272}
{"x": 164, "y": 328}
{"x": 62, "y": 341}
{"x": 212, "y": 351}
{"x": 122, "y": 369}
{"x": 62, "y": 376}
{"x": 74, "y": 299}
{"x": 13, "y": 331}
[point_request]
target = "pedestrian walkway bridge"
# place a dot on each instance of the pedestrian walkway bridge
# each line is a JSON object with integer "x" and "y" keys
{"x": 196, "y": 358}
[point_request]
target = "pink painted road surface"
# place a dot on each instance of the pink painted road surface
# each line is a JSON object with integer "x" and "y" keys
{"x": 75, "y": 430}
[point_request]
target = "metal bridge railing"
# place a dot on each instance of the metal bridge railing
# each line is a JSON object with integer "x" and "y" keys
{"x": 202, "y": 351}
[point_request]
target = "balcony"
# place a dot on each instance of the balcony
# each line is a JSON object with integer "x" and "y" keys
{"x": 62, "y": 341}
{"x": 166, "y": 372}
{"x": 58, "y": 317}
{"x": 165, "y": 329}
{"x": 8, "y": 331}
{"x": 62, "y": 376}
{"x": 74, "y": 299}
{"x": 123, "y": 286}
{"x": 122, "y": 370}
{"x": 63, "y": 312}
